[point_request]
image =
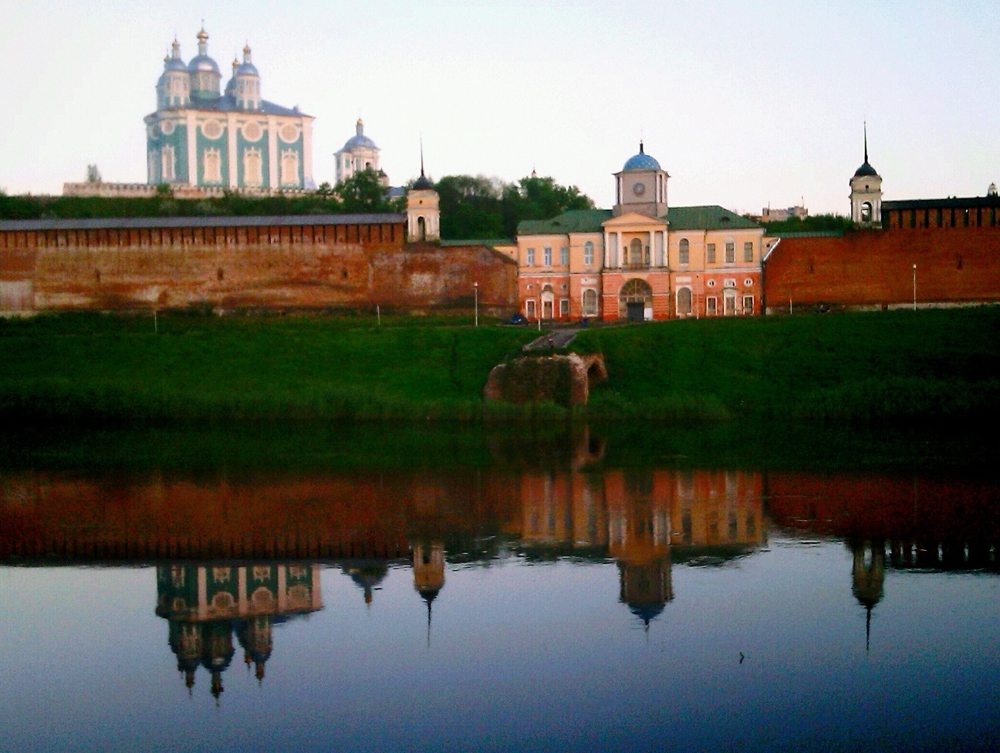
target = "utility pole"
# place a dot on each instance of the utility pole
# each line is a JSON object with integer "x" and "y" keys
{"x": 475, "y": 288}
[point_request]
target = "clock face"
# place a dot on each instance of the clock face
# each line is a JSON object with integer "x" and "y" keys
{"x": 639, "y": 189}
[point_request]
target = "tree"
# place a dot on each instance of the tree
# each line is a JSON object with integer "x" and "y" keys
{"x": 363, "y": 192}
{"x": 478, "y": 207}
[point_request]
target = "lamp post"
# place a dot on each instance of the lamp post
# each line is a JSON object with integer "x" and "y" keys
{"x": 914, "y": 287}
{"x": 475, "y": 288}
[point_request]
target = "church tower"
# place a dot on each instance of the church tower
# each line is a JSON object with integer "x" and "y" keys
{"x": 172, "y": 90}
{"x": 641, "y": 186}
{"x": 423, "y": 216}
{"x": 866, "y": 193}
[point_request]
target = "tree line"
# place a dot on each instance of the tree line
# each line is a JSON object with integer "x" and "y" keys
{"x": 472, "y": 207}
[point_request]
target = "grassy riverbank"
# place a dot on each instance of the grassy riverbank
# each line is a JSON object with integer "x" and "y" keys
{"x": 93, "y": 368}
{"x": 868, "y": 367}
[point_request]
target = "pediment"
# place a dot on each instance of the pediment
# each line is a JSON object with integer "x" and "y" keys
{"x": 634, "y": 220}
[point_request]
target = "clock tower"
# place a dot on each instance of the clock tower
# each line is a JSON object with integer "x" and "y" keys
{"x": 641, "y": 186}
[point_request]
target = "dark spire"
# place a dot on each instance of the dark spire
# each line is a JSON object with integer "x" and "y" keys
{"x": 422, "y": 157}
{"x": 866, "y": 140}
{"x": 641, "y": 149}
{"x": 868, "y": 628}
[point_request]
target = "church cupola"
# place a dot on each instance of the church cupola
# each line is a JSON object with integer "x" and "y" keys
{"x": 423, "y": 213}
{"x": 866, "y": 193}
{"x": 641, "y": 186}
{"x": 173, "y": 88}
{"x": 247, "y": 90}
{"x": 204, "y": 72}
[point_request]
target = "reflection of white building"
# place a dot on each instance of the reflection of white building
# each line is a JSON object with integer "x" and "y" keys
{"x": 232, "y": 139}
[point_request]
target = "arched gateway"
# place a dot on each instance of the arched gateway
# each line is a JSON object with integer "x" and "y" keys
{"x": 635, "y": 301}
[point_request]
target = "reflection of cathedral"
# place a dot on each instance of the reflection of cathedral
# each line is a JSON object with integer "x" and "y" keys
{"x": 205, "y": 604}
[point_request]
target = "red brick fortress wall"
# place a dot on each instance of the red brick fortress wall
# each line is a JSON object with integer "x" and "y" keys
{"x": 280, "y": 263}
{"x": 874, "y": 268}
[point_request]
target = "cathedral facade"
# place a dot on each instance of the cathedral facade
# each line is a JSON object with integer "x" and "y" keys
{"x": 202, "y": 135}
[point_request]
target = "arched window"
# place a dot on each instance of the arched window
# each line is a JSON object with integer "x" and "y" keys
{"x": 590, "y": 302}
{"x": 866, "y": 211}
{"x": 252, "y": 168}
{"x": 684, "y": 301}
{"x": 289, "y": 168}
{"x": 421, "y": 228}
{"x": 684, "y": 254}
{"x": 167, "y": 156}
{"x": 212, "y": 167}
{"x": 634, "y": 253}
{"x": 588, "y": 253}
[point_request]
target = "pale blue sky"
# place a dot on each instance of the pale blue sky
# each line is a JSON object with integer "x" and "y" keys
{"x": 744, "y": 104}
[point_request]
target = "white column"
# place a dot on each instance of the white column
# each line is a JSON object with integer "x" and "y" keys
{"x": 272, "y": 153}
{"x": 202, "y": 592}
{"x": 234, "y": 168}
{"x": 282, "y": 588}
{"x": 316, "y": 591}
{"x": 231, "y": 139}
{"x": 192, "y": 134}
{"x": 307, "y": 153}
{"x": 621, "y": 251}
{"x": 241, "y": 581}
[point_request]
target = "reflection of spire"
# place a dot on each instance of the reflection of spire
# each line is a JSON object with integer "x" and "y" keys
{"x": 868, "y": 579}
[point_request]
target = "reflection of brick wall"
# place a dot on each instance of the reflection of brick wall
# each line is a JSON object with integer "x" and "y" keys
{"x": 875, "y": 268}
{"x": 280, "y": 266}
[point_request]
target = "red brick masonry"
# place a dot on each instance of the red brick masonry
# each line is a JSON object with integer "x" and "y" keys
{"x": 311, "y": 262}
{"x": 875, "y": 268}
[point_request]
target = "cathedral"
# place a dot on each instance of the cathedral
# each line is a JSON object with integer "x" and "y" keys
{"x": 233, "y": 138}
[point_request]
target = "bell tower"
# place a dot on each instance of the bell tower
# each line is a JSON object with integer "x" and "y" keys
{"x": 423, "y": 217}
{"x": 866, "y": 193}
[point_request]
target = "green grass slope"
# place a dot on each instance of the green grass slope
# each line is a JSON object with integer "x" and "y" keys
{"x": 899, "y": 365}
{"x": 92, "y": 367}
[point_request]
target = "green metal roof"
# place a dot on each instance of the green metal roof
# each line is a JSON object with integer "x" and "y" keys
{"x": 706, "y": 218}
{"x": 679, "y": 218}
{"x": 574, "y": 221}
{"x": 480, "y": 242}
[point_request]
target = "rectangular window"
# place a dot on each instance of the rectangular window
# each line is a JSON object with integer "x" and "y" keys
{"x": 710, "y": 254}
{"x": 564, "y": 256}
{"x": 564, "y": 307}
{"x": 711, "y": 304}
{"x": 748, "y": 251}
{"x": 588, "y": 253}
{"x": 547, "y": 257}
{"x": 529, "y": 309}
{"x": 748, "y": 304}
{"x": 730, "y": 252}
{"x": 529, "y": 260}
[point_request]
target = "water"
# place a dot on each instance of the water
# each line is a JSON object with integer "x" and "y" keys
{"x": 479, "y": 591}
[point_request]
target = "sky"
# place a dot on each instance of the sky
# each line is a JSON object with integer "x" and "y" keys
{"x": 746, "y": 105}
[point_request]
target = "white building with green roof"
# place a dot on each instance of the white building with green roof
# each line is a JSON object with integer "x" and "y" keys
{"x": 232, "y": 138}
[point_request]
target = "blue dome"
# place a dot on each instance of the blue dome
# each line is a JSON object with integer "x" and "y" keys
{"x": 359, "y": 139}
{"x": 641, "y": 161}
{"x": 247, "y": 69}
{"x": 202, "y": 63}
{"x": 174, "y": 64}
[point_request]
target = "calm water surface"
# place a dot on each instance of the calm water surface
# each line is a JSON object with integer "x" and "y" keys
{"x": 567, "y": 593}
